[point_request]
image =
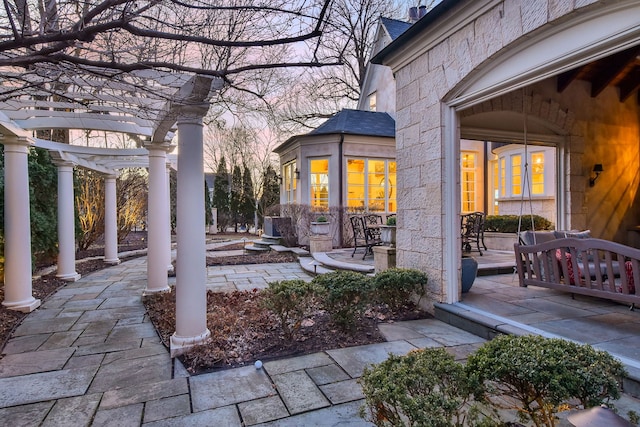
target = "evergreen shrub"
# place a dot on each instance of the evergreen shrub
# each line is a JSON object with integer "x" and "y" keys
{"x": 345, "y": 295}
{"x": 544, "y": 376}
{"x": 509, "y": 223}
{"x": 291, "y": 301}
{"x": 395, "y": 286}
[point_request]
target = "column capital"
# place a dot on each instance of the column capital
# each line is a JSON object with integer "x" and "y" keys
{"x": 167, "y": 147}
{"x": 191, "y": 113}
{"x": 63, "y": 162}
{"x": 22, "y": 141}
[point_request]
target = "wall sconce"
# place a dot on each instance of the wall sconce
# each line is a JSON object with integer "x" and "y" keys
{"x": 297, "y": 172}
{"x": 279, "y": 178}
{"x": 597, "y": 169}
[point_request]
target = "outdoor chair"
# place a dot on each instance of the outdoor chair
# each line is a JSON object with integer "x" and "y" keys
{"x": 472, "y": 231}
{"x": 366, "y": 233}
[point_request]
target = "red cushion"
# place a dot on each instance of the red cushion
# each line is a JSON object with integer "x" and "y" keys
{"x": 567, "y": 256}
{"x": 628, "y": 268}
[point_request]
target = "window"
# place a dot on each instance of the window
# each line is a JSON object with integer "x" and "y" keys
{"x": 372, "y": 101}
{"x": 516, "y": 174}
{"x": 289, "y": 182}
{"x": 319, "y": 183}
{"x": 537, "y": 173}
{"x": 468, "y": 181}
{"x": 371, "y": 184}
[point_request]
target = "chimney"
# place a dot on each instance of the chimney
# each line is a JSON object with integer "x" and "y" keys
{"x": 422, "y": 10}
{"x": 413, "y": 14}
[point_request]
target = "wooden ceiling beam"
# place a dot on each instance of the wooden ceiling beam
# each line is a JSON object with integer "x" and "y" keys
{"x": 615, "y": 64}
{"x": 565, "y": 79}
{"x": 629, "y": 84}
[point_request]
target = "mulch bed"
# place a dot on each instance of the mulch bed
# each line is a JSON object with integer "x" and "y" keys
{"x": 243, "y": 332}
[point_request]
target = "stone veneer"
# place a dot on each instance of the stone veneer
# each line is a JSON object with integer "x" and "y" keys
{"x": 423, "y": 86}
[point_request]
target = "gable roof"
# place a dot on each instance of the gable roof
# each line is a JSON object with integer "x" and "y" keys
{"x": 358, "y": 122}
{"x": 394, "y": 27}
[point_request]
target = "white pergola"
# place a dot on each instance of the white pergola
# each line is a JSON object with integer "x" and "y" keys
{"x": 149, "y": 106}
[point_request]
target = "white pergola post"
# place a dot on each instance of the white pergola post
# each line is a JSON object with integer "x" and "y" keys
{"x": 157, "y": 220}
{"x": 17, "y": 227}
{"x": 169, "y": 265}
{"x": 110, "y": 221}
{"x": 191, "y": 301}
{"x": 66, "y": 223}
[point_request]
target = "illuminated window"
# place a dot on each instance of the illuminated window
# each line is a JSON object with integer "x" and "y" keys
{"x": 537, "y": 173}
{"x": 468, "y": 181}
{"x": 371, "y": 184}
{"x": 516, "y": 174}
{"x": 372, "y": 102}
{"x": 503, "y": 177}
{"x": 319, "y": 183}
{"x": 289, "y": 182}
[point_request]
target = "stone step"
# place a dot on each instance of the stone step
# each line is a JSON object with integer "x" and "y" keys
{"x": 257, "y": 248}
{"x": 296, "y": 251}
{"x": 333, "y": 264}
{"x": 312, "y": 266}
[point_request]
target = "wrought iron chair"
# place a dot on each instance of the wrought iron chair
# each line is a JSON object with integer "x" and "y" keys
{"x": 472, "y": 231}
{"x": 365, "y": 233}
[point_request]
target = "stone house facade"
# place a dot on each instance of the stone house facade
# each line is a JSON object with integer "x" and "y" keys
{"x": 520, "y": 69}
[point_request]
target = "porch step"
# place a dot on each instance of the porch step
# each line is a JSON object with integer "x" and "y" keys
{"x": 333, "y": 264}
{"x": 296, "y": 251}
{"x": 311, "y": 266}
{"x": 487, "y": 326}
{"x": 264, "y": 244}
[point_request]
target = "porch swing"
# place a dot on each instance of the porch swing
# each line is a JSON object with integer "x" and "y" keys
{"x": 571, "y": 262}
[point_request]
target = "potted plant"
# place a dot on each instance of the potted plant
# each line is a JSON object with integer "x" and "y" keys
{"x": 469, "y": 272}
{"x": 388, "y": 232}
{"x": 320, "y": 225}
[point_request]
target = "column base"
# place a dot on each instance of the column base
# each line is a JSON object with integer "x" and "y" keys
{"x": 69, "y": 277}
{"x": 114, "y": 261}
{"x": 26, "y": 306}
{"x": 179, "y": 345}
{"x": 384, "y": 258}
{"x": 320, "y": 243}
{"x": 164, "y": 290}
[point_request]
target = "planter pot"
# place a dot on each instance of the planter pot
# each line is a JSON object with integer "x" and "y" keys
{"x": 469, "y": 273}
{"x": 320, "y": 228}
{"x": 388, "y": 234}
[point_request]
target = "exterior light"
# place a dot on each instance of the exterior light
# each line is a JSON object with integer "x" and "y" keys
{"x": 297, "y": 172}
{"x": 597, "y": 169}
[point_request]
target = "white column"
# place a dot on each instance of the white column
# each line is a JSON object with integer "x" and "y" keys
{"x": 110, "y": 221}
{"x": 66, "y": 223}
{"x": 17, "y": 227}
{"x": 191, "y": 301}
{"x": 169, "y": 265}
{"x": 157, "y": 220}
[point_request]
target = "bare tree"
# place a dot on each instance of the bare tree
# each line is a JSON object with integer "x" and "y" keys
{"x": 349, "y": 36}
{"x": 44, "y": 43}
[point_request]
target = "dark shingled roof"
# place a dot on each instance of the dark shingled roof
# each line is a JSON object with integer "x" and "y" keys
{"x": 358, "y": 122}
{"x": 394, "y": 27}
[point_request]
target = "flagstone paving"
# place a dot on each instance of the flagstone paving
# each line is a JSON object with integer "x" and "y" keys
{"x": 90, "y": 356}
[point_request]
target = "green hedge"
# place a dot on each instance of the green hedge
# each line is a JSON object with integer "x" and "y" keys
{"x": 509, "y": 223}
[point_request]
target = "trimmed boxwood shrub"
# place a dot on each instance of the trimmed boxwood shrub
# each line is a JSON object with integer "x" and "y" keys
{"x": 509, "y": 223}
{"x": 424, "y": 388}
{"x": 291, "y": 301}
{"x": 344, "y": 295}
{"x": 395, "y": 286}
{"x": 544, "y": 376}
